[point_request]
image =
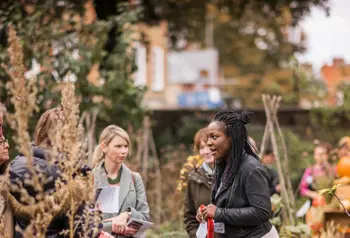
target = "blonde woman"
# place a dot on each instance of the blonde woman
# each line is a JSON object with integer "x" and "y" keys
{"x": 110, "y": 172}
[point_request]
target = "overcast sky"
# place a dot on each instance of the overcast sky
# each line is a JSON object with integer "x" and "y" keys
{"x": 327, "y": 37}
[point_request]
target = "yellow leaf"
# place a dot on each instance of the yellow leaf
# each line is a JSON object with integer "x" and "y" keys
{"x": 322, "y": 191}
{"x": 337, "y": 185}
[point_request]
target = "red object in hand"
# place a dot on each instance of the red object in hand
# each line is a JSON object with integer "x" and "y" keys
{"x": 104, "y": 234}
{"x": 210, "y": 225}
{"x": 210, "y": 228}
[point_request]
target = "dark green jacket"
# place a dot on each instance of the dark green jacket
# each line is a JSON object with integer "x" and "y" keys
{"x": 198, "y": 193}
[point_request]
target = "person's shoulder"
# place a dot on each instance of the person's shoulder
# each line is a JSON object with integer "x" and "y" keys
{"x": 193, "y": 175}
{"x": 251, "y": 163}
{"x": 135, "y": 176}
{"x": 196, "y": 171}
{"x": 38, "y": 157}
{"x": 97, "y": 169}
{"x": 19, "y": 165}
{"x": 19, "y": 162}
{"x": 308, "y": 170}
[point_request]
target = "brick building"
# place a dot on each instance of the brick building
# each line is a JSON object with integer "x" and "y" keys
{"x": 333, "y": 75}
{"x": 175, "y": 79}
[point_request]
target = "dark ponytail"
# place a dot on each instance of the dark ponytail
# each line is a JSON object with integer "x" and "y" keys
{"x": 233, "y": 122}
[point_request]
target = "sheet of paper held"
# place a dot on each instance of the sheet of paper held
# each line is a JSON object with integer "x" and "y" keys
{"x": 202, "y": 230}
{"x": 108, "y": 199}
{"x": 141, "y": 225}
{"x": 304, "y": 208}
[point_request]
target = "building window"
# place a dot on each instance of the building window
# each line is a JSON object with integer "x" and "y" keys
{"x": 141, "y": 63}
{"x": 158, "y": 81}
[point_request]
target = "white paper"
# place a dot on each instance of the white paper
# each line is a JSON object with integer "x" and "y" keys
{"x": 304, "y": 208}
{"x": 144, "y": 225}
{"x": 272, "y": 233}
{"x": 202, "y": 230}
{"x": 108, "y": 200}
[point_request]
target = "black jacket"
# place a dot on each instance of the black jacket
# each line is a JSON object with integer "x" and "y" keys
{"x": 19, "y": 172}
{"x": 245, "y": 206}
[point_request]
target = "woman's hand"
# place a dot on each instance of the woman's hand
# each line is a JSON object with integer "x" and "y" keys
{"x": 199, "y": 216}
{"x": 129, "y": 231}
{"x": 119, "y": 223}
{"x": 209, "y": 211}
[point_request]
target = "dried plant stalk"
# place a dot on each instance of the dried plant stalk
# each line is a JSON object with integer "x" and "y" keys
{"x": 3, "y": 187}
{"x": 67, "y": 139}
{"x": 67, "y": 149}
{"x": 23, "y": 96}
{"x": 158, "y": 187}
{"x": 23, "y": 93}
{"x": 269, "y": 104}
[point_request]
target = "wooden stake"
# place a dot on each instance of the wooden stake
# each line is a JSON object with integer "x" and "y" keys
{"x": 271, "y": 106}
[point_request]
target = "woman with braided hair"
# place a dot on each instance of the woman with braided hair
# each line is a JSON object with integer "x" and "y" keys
{"x": 240, "y": 201}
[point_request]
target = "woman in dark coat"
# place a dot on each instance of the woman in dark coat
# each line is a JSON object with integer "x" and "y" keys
{"x": 199, "y": 183}
{"x": 48, "y": 172}
{"x": 240, "y": 201}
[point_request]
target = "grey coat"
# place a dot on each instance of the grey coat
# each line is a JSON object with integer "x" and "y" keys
{"x": 132, "y": 197}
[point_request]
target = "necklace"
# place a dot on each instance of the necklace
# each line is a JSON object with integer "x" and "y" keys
{"x": 115, "y": 180}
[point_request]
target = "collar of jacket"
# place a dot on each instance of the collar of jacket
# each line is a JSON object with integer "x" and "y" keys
{"x": 38, "y": 152}
{"x": 208, "y": 169}
{"x": 198, "y": 175}
{"x": 125, "y": 181}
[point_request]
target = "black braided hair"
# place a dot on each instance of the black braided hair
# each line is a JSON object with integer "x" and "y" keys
{"x": 233, "y": 122}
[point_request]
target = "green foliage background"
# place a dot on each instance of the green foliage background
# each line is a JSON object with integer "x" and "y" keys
{"x": 53, "y": 35}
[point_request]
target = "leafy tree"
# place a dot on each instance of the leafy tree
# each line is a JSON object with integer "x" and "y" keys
{"x": 75, "y": 36}
{"x": 251, "y": 37}
{"x": 186, "y": 17}
{"x": 344, "y": 89}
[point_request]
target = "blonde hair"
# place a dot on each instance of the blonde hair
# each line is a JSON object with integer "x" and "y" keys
{"x": 107, "y": 135}
{"x": 45, "y": 124}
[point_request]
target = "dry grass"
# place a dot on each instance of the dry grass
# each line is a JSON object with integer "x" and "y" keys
{"x": 3, "y": 187}
{"x": 67, "y": 140}
{"x": 331, "y": 231}
{"x": 23, "y": 96}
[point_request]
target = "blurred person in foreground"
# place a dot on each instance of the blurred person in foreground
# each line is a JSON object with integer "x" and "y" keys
{"x": 109, "y": 171}
{"x": 199, "y": 183}
{"x": 240, "y": 201}
{"x": 45, "y": 166}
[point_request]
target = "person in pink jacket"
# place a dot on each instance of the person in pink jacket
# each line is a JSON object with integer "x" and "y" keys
{"x": 321, "y": 168}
